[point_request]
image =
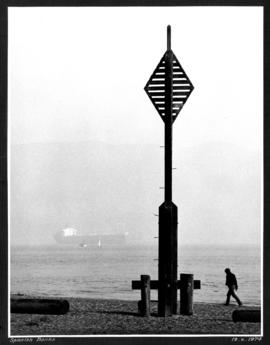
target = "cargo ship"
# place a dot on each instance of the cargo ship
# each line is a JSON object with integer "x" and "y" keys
{"x": 72, "y": 237}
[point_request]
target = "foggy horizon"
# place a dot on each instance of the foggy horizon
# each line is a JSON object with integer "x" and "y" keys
{"x": 84, "y": 139}
{"x": 74, "y": 204}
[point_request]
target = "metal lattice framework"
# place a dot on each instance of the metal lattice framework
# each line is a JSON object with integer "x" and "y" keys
{"x": 181, "y": 87}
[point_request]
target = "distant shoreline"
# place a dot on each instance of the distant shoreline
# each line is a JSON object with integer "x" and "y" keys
{"x": 133, "y": 299}
{"x": 120, "y": 317}
{"x": 21, "y": 295}
{"x": 134, "y": 244}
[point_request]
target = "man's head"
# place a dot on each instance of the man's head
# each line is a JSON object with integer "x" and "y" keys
{"x": 227, "y": 270}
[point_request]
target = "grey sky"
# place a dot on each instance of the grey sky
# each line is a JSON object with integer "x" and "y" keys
{"x": 77, "y": 75}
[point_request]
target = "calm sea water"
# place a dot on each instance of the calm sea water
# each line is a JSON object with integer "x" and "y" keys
{"x": 107, "y": 272}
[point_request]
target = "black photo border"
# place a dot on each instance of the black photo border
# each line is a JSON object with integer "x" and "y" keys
{"x": 141, "y": 340}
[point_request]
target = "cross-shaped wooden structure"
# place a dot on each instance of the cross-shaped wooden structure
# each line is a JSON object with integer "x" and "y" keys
{"x": 186, "y": 285}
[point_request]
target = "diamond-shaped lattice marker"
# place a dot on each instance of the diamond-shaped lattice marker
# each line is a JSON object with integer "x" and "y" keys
{"x": 181, "y": 87}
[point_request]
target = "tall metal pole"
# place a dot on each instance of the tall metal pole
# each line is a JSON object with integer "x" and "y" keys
{"x": 167, "y": 293}
{"x": 168, "y": 89}
{"x": 168, "y": 118}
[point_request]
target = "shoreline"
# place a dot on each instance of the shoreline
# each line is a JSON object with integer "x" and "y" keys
{"x": 45, "y": 296}
{"x": 92, "y": 316}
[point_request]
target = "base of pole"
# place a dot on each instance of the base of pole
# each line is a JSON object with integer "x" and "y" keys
{"x": 167, "y": 272}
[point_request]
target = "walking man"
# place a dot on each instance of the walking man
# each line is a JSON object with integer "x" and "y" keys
{"x": 231, "y": 282}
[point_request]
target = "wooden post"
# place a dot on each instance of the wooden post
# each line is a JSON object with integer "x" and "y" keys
{"x": 144, "y": 303}
{"x": 186, "y": 294}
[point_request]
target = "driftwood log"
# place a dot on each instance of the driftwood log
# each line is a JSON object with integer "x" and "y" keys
{"x": 246, "y": 316}
{"x": 39, "y": 306}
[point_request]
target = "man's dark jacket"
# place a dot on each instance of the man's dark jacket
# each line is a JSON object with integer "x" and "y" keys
{"x": 231, "y": 280}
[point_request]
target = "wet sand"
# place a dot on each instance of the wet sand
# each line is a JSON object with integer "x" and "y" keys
{"x": 118, "y": 317}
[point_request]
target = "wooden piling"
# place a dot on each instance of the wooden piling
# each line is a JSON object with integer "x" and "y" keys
{"x": 186, "y": 294}
{"x": 144, "y": 303}
{"x": 39, "y": 306}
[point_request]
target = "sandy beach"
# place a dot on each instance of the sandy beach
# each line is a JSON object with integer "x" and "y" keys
{"x": 119, "y": 317}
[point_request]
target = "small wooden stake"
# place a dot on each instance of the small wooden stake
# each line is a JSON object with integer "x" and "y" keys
{"x": 144, "y": 303}
{"x": 186, "y": 294}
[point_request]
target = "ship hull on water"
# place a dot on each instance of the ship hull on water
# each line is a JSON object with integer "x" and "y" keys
{"x": 91, "y": 240}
